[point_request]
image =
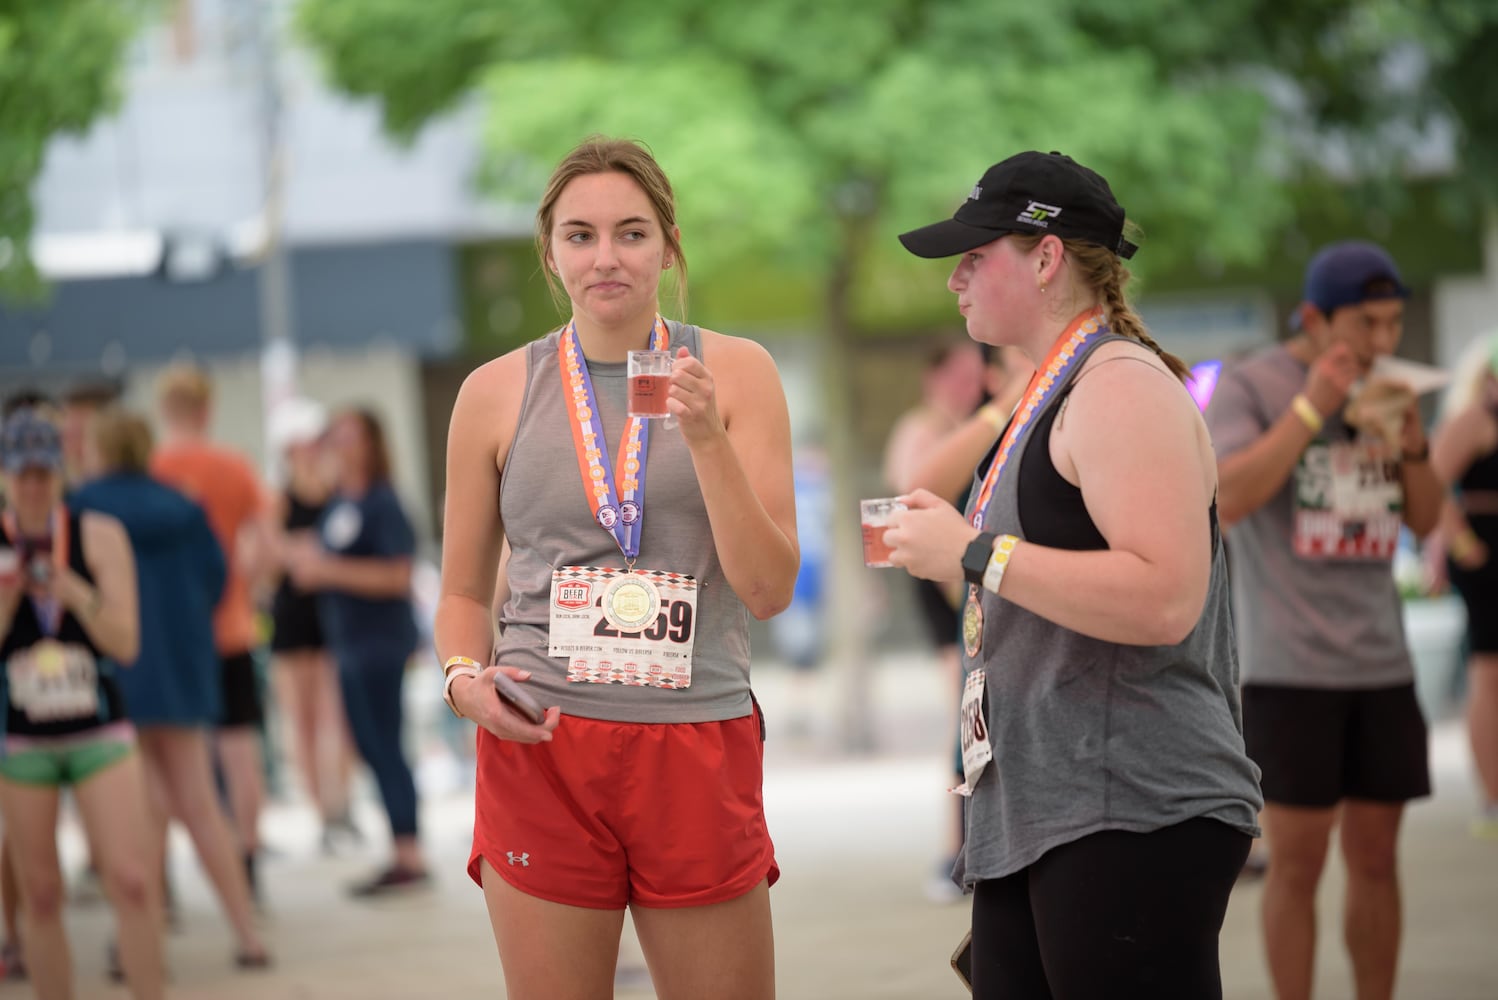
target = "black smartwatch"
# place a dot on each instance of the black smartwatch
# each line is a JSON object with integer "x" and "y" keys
{"x": 975, "y": 559}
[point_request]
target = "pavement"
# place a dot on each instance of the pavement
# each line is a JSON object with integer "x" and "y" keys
{"x": 858, "y": 838}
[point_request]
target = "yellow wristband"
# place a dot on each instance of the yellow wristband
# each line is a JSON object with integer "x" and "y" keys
{"x": 993, "y": 576}
{"x": 1307, "y": 412}
{"x": 991, "y": 416}
{"x": 1462, "y": 543}
{"x": 460, "y": 661}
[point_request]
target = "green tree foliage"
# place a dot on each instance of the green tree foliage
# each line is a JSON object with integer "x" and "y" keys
{"x": 814, "y": 131}
{"x": 59, "y": 67}
{"x": 806, "y": 134}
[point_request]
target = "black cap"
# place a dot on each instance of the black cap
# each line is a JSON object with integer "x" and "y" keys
{"x": 1029, "y": 193}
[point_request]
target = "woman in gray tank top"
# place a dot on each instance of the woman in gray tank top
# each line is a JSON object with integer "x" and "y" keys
{"x": 620, "y": 751}
{"x": 1112, "y": 804}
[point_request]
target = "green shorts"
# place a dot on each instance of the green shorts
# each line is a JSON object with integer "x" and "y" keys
{"x": 68, "y": 762}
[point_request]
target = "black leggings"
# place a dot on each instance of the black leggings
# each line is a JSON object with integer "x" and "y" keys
{"x": 1114, "y": 914}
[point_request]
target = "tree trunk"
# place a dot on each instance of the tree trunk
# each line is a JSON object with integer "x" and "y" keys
{"x": 847, "y": 618}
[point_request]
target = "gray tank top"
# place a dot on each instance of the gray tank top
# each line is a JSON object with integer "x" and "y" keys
{"x": 1090, "y": 735}
{"x": 549, "y": 524}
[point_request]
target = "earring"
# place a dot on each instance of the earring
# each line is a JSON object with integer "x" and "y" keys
{"x": 1042, "y": 288}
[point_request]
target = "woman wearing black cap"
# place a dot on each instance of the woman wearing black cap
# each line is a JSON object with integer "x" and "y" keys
{"x": 68, "y": 617}
{"x": 1111, "y": 801}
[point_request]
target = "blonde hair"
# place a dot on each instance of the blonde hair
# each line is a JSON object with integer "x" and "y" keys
{"x": 600, "y": 155}
{"x": 184, "y": 390}
{"x": 1103, "y": 271}
{"x": 1478, "y": 360}
{"x": 123, "y": 440}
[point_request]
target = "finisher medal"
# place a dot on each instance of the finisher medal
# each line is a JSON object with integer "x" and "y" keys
{"x": 972, "y": 625}
{"x": 631, "y": 603}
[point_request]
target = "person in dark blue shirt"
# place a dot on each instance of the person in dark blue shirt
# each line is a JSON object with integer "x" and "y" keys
{"x": 174, "y": 693}
{"x": 360, "y": 565}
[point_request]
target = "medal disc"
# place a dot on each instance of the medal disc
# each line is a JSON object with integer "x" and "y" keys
{"x": 631, "y": 603}
{"x": 972, "y": 626}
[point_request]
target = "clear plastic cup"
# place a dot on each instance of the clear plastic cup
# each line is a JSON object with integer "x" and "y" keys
{"x": 649, "y": 381}
{"x": 874, "y": 518}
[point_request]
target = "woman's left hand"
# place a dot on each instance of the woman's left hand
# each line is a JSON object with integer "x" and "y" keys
{"x": 693, "y": 398}
{"x": 71, "y": 591}
{"x": 929, "y": 537}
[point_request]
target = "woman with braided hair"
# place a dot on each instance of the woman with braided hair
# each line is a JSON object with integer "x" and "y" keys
{"x": 1111, "y": 802}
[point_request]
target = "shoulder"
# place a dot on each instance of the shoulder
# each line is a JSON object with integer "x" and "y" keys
{"x": 1128, "y": 367}
{"x": 101, "y": 532}
{"x": 494, "y": 385}
{"x": 732, "y": 356}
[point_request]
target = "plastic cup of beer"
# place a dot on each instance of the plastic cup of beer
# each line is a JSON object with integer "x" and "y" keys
{"x": 874, "y": 516}
{"x": 649, "y": 381}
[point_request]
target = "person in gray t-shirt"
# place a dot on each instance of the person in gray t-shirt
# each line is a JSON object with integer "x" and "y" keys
{"x": 1320, "y": 465}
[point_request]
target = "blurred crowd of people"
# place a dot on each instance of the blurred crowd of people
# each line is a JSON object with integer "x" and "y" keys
{"x": 145, "y": 581}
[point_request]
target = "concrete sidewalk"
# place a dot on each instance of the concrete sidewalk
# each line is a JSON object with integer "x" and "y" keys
{"x": 856, "y": 838}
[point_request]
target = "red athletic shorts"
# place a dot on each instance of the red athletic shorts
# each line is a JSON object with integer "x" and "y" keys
{"x": 613, "y": 813}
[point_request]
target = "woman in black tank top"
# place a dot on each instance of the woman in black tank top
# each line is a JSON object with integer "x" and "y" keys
{"x": 68, "y": 618}
{"x": 1095, "y": 596}
{"x": 1464, "y": 453}
{"x": 306, "y": 682}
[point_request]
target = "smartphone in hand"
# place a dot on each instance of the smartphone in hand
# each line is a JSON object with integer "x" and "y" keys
{"x": 518, "y": 698}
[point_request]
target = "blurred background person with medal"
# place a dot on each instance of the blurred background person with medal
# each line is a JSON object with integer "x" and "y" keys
{"x": 69, "y": 619}
{"x": 1322, "y": 461}
{"x": 173, "y": 691}
{"x": 935, "y": 447}
{"x": 1111, "y": 803}
{"x": 620, "y": 753}
{"x": 1464, "y": 453}
{"x": 359, "y": 563}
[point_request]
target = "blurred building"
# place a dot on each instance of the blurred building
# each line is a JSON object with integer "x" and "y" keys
{"x": 155, "y": 229}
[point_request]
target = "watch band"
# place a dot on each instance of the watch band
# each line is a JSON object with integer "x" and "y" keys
{"x": 975, "y": 559}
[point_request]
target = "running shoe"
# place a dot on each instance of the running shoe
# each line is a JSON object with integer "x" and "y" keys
{"x": 1485, "y": 823}
{"x": 392, "y": 881}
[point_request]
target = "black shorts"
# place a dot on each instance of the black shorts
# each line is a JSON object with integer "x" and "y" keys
{"x": 1316, "y": 746}
{"x": 942, "y": 621}
{"x": 1479, "y": 592}
{"x": 241, "y": 692}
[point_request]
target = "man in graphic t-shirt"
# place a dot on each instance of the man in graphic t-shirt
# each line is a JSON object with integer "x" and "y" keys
{"x": 1320, "y": 463}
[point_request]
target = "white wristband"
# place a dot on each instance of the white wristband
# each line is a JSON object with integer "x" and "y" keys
{"x": 460, "y": 670}
{"x": 993, "y": 575}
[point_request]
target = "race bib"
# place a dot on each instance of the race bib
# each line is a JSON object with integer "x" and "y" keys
{"x": 976, "y": 749}
{"x": 621, "y": 626}
{"x": 1348, "y": 502}
{"x": 53, "y": 682}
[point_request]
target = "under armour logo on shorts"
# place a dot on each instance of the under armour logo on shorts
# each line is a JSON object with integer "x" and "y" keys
{"x": 524, "y": 860}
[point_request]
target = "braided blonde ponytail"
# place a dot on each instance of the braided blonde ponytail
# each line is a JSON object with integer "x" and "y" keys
{"x": 1121, "y": 316}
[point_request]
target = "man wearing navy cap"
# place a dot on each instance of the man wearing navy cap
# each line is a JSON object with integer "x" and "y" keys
{"x": 1320, "y": 463}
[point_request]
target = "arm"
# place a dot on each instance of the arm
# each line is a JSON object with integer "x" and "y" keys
{"x": 915, "y": 436}
{"x": 1148, "y": 587}
{"x": 743, "y": 465}
{"x": 1457, "y": 444}
{"x": 947, "y": 470}
{"x": 1249, "y": 477}
{"x": 479, "y": 434}
{"x": 362, "y": 576}
{"x": 108, "y": 608}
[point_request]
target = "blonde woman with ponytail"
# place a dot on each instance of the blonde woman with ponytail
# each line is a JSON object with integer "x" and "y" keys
{"x": 1096, "y": 617}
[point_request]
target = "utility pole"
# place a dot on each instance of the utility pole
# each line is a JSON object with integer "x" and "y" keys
{"x": 278, "y": 335}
